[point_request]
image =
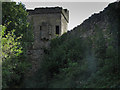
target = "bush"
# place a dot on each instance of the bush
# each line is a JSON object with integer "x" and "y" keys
{"x": 14, "y": 64}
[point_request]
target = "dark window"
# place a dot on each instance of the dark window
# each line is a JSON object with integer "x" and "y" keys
{"x": 57, "y": 30}
{"x": 40, "y": 27}
{"x": 40, "y": 32}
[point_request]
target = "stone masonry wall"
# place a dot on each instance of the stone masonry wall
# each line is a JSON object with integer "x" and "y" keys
{"x": 44, "y": 22}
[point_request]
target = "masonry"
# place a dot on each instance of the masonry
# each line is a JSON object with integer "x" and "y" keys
{"x": 47, "y": 23}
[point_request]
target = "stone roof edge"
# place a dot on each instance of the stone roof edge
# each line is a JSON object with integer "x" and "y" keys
{"x": 56, "y": 10}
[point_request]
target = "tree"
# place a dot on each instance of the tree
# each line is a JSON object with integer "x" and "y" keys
{"x": 12, "y": 61}
{"x": 15, "y": 30}
{"x": 14, "y": 16}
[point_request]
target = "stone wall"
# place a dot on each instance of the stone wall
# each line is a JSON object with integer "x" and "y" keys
{"x": 44, "y": 22}
{"x": 64, "y": 25}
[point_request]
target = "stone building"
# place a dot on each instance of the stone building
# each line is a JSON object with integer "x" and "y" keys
{"x": 47, "y": 24}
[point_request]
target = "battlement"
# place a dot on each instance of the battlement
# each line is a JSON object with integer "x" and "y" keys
{"x": 50, "y": 10}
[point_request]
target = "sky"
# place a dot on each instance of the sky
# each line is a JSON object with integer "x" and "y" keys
{"x": 79, "y": 10}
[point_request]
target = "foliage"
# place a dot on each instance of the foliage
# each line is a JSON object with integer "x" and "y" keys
{"x": 15, "y": 30}
{"x": 14, "y": 16}
{"x": 13, "y": 60}
{"x": 80, "y": 60}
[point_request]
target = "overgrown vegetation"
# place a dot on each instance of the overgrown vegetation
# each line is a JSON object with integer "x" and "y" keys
{"x": 74, "y": 61}
{"x": 77, "y": 59}
{"x": 15, "y": 30}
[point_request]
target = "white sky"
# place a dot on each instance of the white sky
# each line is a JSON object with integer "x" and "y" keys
{"x": 79, "y": 10}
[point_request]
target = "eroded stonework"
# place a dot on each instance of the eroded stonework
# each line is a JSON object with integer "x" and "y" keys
{"x": 47, "y": 24}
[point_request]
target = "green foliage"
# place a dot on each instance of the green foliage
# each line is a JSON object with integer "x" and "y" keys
{"x": 64, "y": 59}
{"x": 14, "y": 16}
{"x": 13, "y": 60}
{"x": 75, "y": 61}
{"x": 15, "y": 30}
{"x": 10, "y": 45}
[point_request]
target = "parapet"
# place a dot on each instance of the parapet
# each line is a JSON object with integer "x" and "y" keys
{"x": 50, "y": 10}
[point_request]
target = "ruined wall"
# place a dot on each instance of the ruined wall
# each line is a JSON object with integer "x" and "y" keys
{"x": 44, "y": 22}
{"x": 64, "y": 24}
{"x": 44, "y": 28}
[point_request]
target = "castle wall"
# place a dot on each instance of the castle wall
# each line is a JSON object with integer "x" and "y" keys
{"x": 64, "y": 25}
{"x": 44, "y": 22}
{"x": 47, "y": 23}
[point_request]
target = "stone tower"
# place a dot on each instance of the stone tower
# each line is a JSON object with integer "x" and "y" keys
{"x": 47, "y": 24}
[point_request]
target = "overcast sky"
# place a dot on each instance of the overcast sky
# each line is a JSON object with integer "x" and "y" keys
{"x": 78, "y": 10}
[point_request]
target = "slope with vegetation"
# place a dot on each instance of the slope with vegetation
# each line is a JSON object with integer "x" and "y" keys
{"x": 86, "y": 57}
